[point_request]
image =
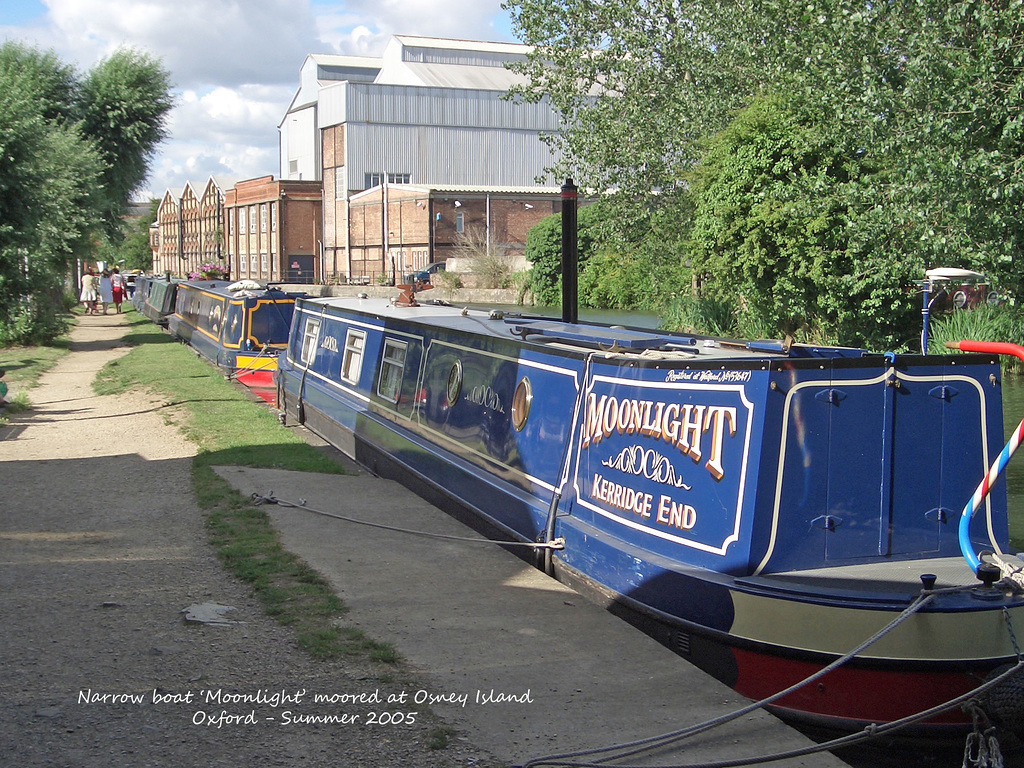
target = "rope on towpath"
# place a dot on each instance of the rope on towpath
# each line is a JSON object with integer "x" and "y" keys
{"x": 259, "y": 499}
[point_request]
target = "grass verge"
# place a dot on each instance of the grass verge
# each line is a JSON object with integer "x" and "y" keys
{"x": 230, "y": 429}
{"x": 23, "y": 366}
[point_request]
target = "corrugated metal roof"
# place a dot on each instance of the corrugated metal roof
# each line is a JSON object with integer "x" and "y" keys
{"x": 457, "y": 190}
{"x": 464, "y": 76}
{"x": 463, "y": 45}
{"x": 331, "y": 60}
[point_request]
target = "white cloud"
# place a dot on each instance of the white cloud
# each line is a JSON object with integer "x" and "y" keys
{"x": 235, "y": 63}
{"x": 225, "y": 43}
{"x": 461, "y": 19}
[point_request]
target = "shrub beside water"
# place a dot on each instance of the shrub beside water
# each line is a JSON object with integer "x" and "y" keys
{"x": 984, "y": 323}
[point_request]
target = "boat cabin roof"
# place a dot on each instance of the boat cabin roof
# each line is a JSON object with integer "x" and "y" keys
{"x": 236, "y": 290}
{"x": 546, "y": 331}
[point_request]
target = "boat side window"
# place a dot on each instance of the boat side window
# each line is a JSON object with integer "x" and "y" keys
{"x": 391, "y": 370}
{"x": 353, "y": 360}
{"x": 309, "y": 337}
{"x": 233, "y": 325}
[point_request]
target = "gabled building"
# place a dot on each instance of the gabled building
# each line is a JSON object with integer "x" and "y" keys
{"x": 190, "y": 228}
{"x": 431, "y": 113}
{"x": 168, "y": 223}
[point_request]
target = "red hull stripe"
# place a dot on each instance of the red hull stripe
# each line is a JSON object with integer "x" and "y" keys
{"x": 869, "y": 696}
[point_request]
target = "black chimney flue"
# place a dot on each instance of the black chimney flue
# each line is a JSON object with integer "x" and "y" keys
{"x": 570, "y": 254}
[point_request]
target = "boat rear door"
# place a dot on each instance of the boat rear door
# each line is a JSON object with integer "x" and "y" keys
{"x": 828, "y": 504}
{"x": 939, "y": 453}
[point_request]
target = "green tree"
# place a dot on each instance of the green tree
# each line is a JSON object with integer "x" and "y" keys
{"x": 135, "y": 251}
{"x": 48, "y": 177}
{"x": 927, "y": 93}
{"x": 63, "y": 174}
{"x": 544, "y": 252}
{"x": 125, "y": 100}
{"x": 772, "y": 212}
{"x": 42, "y": 73}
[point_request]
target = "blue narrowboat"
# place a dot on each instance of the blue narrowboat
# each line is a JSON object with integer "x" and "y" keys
{"x": 761, "y": 507}
{"x": 240, "y": 327}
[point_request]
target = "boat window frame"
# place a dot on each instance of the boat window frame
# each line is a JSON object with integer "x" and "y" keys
{"x": 353, "y": 356}
{"x": 307, "y": 352}
{"x": 522, "y": 400}
{"x": 453, "y": 389}
{"x": 392, "y": 370}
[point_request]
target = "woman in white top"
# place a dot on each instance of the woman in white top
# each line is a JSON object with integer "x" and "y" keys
{"x": 89, "y": 294}
{"x": 117, "y": 288}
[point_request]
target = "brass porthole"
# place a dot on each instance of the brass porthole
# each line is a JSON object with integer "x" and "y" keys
{"x": 455, "y": 382}
{"x": 521, "y": 401}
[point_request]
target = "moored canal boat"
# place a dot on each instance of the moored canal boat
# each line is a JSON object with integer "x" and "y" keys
{"x": 241, "y": 327}
{"x": 761, "y": 507}
{"x": 141, "y": 291}
{"x": 158, "y": 297}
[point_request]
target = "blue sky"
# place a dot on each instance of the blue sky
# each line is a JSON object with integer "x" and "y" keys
{"x": 231, "y": 88}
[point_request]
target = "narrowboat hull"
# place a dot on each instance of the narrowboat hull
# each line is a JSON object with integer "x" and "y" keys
{"x": 240, "y": 328}
{"x": 158, "y": 299}
{"x": 761, "y": 510}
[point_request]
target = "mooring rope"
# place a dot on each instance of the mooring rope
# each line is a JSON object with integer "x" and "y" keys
{"x": 869, "y": 732}
{"x": 651, "y": 742}
{"x": 249, "y": 366}
{"x": 983, "y": 750}
{"x": 259, "y": 499}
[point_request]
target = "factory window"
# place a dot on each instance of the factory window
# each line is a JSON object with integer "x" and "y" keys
{"x": 376, "y": 179}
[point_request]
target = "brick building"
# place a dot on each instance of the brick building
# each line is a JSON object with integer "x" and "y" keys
{"x": 168, "y": 227}
{"x": 274, "y": 230}
{"x": 429, "y": 224}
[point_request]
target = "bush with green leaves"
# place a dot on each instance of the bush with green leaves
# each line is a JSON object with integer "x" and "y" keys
{"x": 544, "y": 252}
{"x": 770, "y": 235}
{"x": 71, "y": 151}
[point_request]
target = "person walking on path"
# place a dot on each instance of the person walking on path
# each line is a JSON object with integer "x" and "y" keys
{"x": 117, "y": 285}
{"x": 90, "y": 291}
{"x": 106, "y": 293}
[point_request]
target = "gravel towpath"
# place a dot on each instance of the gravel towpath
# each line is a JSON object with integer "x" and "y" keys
{"x": 102, "y": 549}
